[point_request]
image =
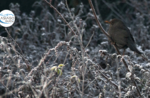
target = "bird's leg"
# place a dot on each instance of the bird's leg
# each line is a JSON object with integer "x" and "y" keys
{"x": 124, "y": 50}
{"x": 113, "y": 43}
{"x": 123, "y": 54}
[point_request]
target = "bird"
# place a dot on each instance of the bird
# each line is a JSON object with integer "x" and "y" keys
{"x": 121, "y": 36}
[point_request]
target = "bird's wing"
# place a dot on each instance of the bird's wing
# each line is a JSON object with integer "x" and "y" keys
{"x": 118, "y": 37}
{"x": 127, "y": 32}
{"x": 121, "y": 37}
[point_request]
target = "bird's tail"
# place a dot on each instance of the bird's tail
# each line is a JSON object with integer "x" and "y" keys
{"x": 132, "y": 46}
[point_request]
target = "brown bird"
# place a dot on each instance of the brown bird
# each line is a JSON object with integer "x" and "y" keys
{"x": 121, "y": 35}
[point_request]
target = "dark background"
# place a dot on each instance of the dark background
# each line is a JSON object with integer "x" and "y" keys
{"x": 102, "y": 8}
{"x": 27, "y": 5}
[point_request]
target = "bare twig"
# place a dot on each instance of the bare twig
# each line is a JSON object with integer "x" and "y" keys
{"x": 89, "y": 40}
{"x": 60, "y": 15}
{"x": 27, "y": 63}
{"x": 108, "y": 5}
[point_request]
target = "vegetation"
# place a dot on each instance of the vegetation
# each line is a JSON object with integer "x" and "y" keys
{"x": 64, "y": 54}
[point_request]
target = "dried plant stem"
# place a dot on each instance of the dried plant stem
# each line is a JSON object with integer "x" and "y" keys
{"x": 60, "y": 16}
{"x": 27, "y": 63}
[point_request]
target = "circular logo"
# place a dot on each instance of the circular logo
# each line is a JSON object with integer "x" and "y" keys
{"x": 7, "y": 18}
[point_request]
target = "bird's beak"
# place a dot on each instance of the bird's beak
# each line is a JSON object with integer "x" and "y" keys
{"x": 107, "y": 22}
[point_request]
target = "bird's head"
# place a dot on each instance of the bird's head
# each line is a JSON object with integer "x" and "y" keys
{"x": 113, "y": 21}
